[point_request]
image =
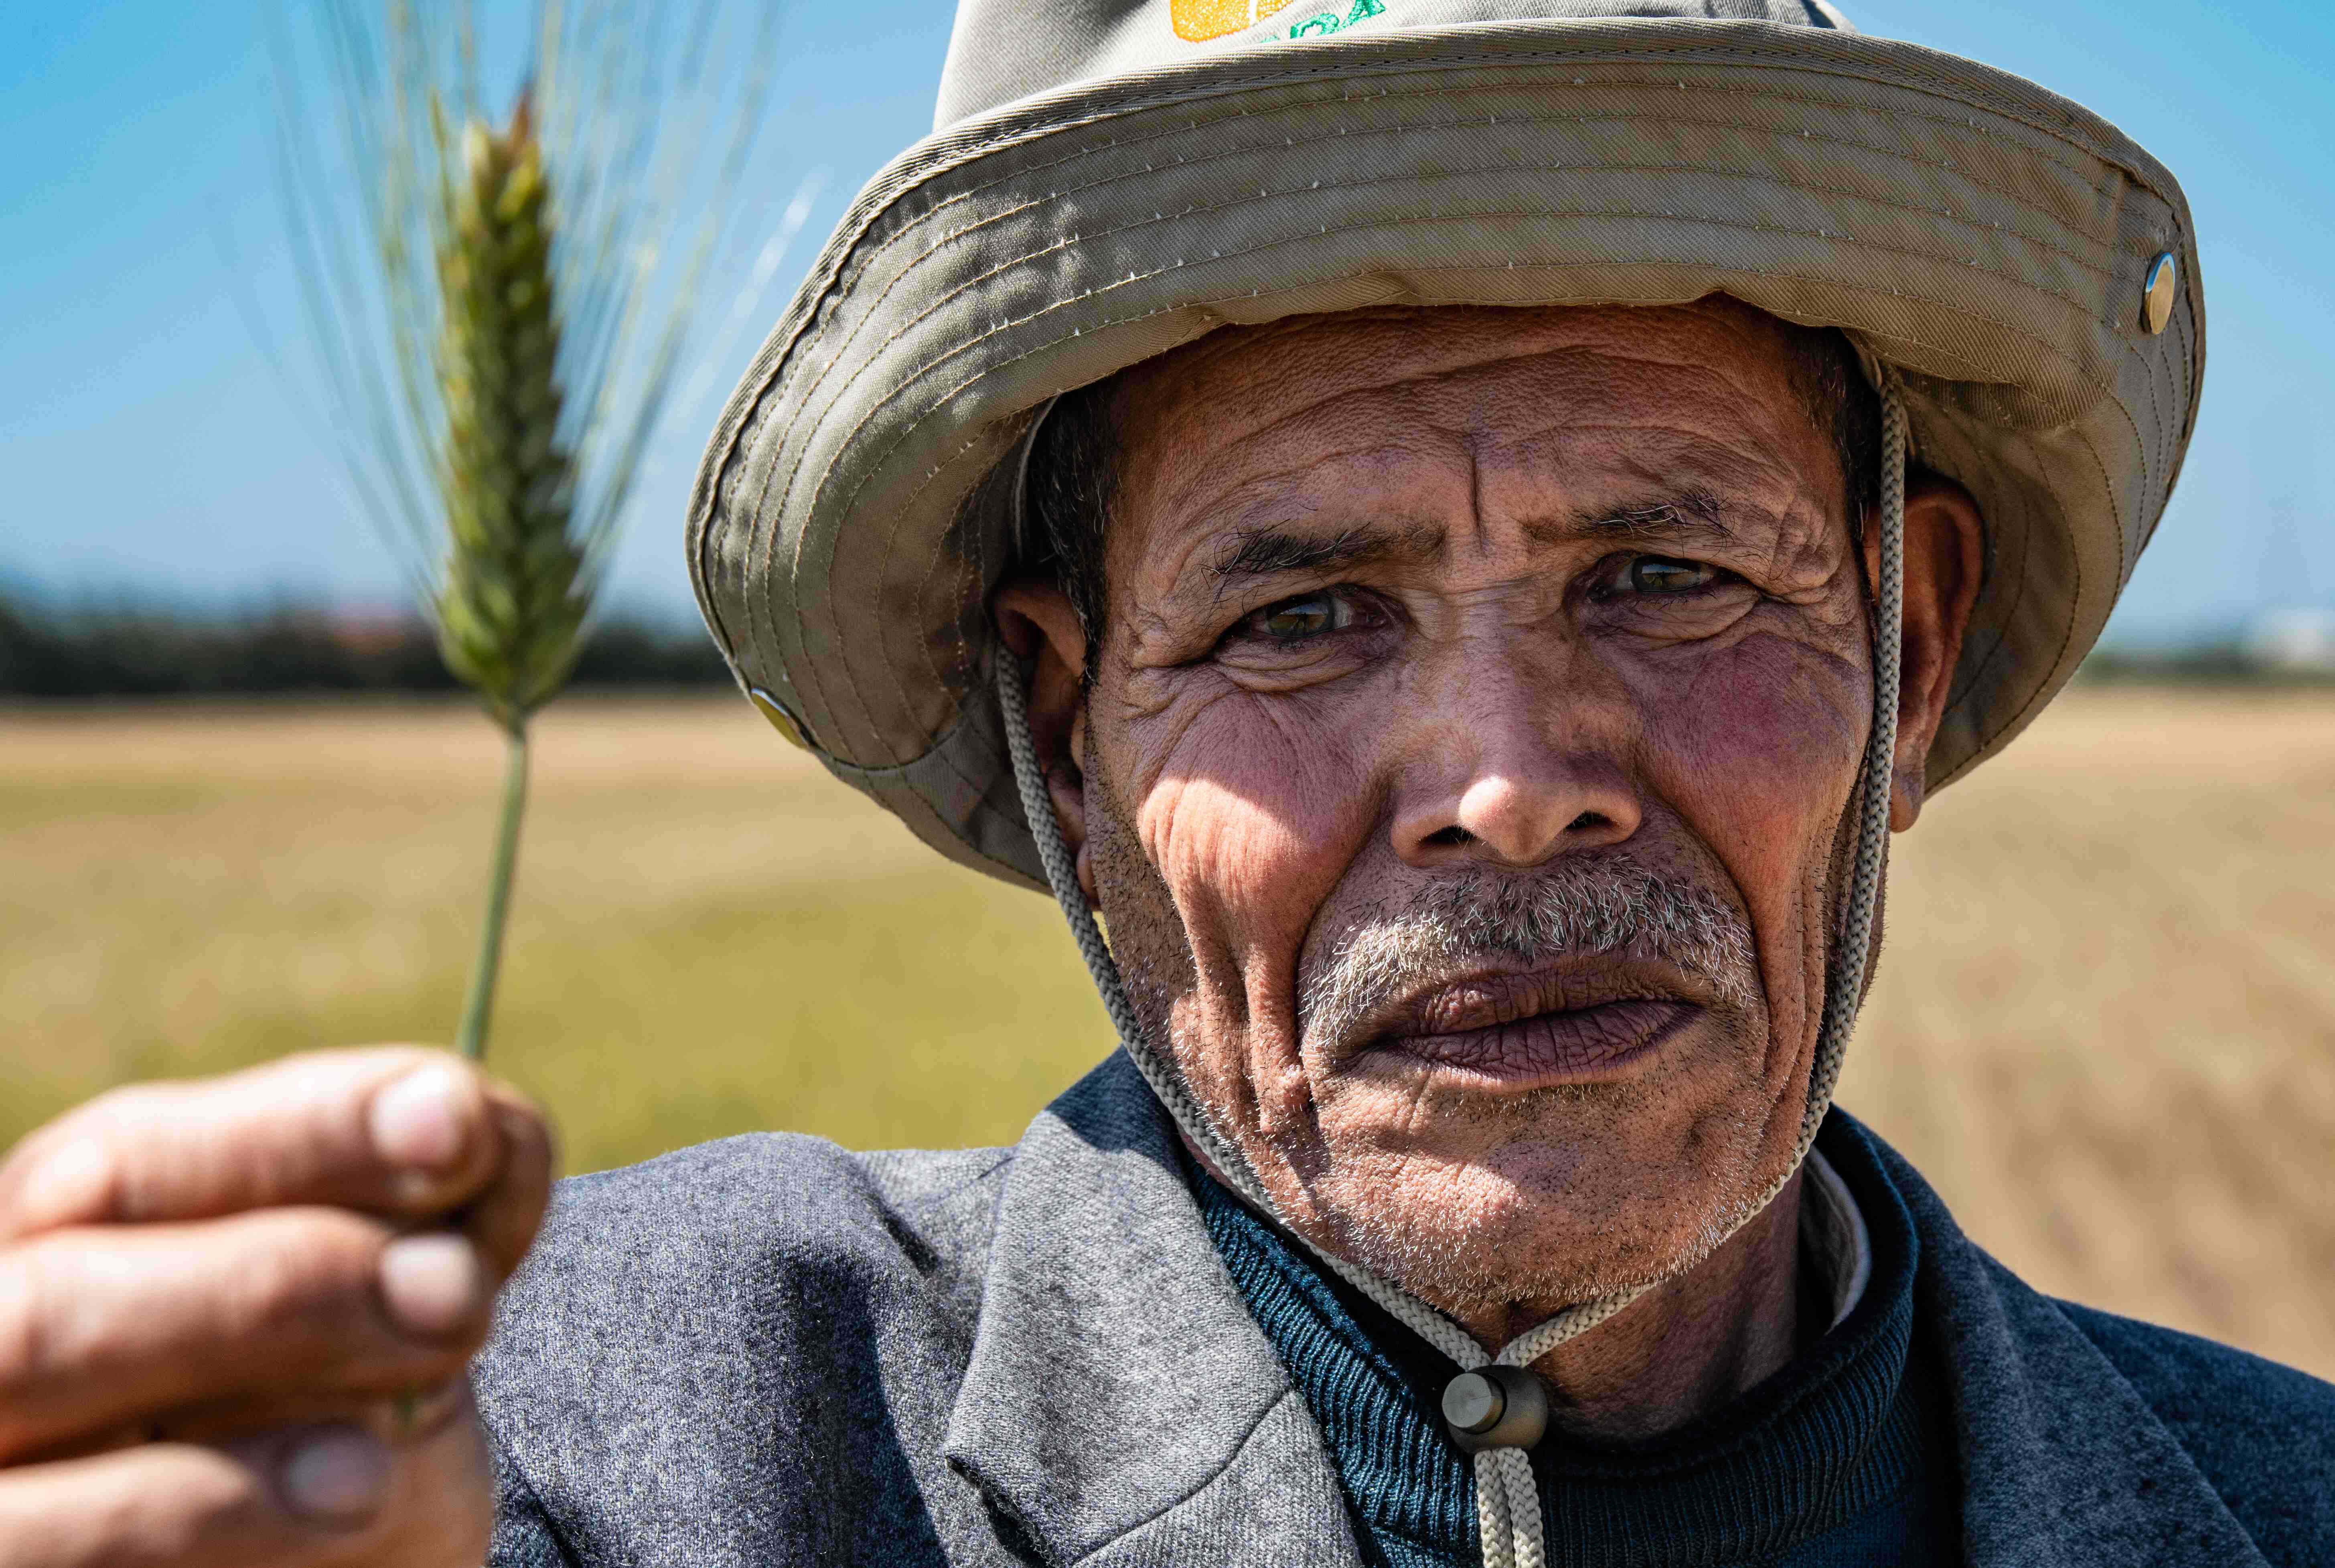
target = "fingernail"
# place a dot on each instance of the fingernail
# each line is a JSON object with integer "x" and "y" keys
{"x": 431, "y": 1284}
{"x": 420, "y": 1119}
{"x": 339, "y": 1475}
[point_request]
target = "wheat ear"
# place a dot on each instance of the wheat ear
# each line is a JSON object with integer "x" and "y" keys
{"x": 513, "y": 597}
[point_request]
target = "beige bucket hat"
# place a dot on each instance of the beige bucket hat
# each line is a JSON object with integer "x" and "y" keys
{"x": 1111, "y": 178}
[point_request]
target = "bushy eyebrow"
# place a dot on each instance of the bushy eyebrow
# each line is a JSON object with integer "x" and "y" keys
{"x": 1270, "y": 551}
{"x": 1691, "y": 515}
{"x": 1695, "y": 515}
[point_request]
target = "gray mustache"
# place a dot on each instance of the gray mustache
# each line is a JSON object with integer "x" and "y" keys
{"x": 1586, "y": 908}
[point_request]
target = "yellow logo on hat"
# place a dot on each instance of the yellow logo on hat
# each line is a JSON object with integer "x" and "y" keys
{"x": 1197, "y": 20}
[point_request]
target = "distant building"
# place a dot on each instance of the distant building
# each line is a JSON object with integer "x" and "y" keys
{"x": 2295, "y": 641}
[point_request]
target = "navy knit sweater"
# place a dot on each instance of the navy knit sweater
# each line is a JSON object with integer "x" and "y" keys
{"x": 1840, "y": 1460}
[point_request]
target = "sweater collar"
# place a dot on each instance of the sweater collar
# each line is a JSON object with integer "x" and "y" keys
{"x": 1835, "y": 1242}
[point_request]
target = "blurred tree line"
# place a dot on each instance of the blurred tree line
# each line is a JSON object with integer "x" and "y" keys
{"x": 136, "y": 651}
{"x": 48, "y": 651}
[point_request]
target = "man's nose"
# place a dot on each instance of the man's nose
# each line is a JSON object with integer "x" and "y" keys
{"x": 1516, "y": 768}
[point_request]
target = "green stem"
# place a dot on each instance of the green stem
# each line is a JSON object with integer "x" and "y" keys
{"x": 479, "y": 1006}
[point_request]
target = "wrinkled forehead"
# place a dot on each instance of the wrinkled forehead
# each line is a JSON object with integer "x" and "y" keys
{"x": 1411, "y": 411}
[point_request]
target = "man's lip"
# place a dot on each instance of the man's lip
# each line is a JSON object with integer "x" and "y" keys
{"x": 1571, "y": 1021}
{"x": 1577, "y": 1045}
{"x": 1489, "y": 998}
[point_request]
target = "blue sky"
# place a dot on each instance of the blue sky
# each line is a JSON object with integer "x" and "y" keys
{"x": 147, "y": 448}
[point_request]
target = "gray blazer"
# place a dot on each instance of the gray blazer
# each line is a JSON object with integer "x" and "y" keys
{"x": 771, "y": 1351}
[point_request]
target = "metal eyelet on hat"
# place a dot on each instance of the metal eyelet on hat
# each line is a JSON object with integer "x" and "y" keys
{"x": 782, "y": 718}
{"x": 2158, "y": 291}
{"x": 1495, "y": 1406}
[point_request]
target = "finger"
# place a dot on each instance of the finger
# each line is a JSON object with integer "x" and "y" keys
{"x": 503, "y": 1219}
{"x": 301, "y": 1497}
{"x": 394, "y": 1130}
{"x": 189, "y": 1507}
{"x": 412, "y": 1416}
{"x": 105, "y": 1325}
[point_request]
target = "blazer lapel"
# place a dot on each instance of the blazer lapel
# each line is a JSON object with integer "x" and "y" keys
{"x": 1122, "y": 1407}
{"x": 2061, "y": 1462}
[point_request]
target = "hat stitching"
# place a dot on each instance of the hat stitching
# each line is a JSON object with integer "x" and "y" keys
{"x": 778, "y": 362}
{"x": 2170, "y": 440}
{"x": 903, "y": 799}
{"x": 885, "y": 776}
{"x": 740, "y": 416}
{"x": 2104, "y": 271}
{"x": 1972, "y": 85}
{"x": 2046, "y": 686}
{"x": 756, "y": 547}
{"x": 2045, "y": 689}
{"x": 2170, "y": 443}
{"x": 2153, "y": 451}
{"x": 881, "y": 772}
{"x": 2153, "y": 455}
{"x": 2126, "y": 555}
{"x": 968, "y": 556}
{"x": 911, "y": 229}
{"x": 723, "y": 509}
{"x": 2083, "y": 178}
{"x": 1137, "y": 224}
{"x": 753, "y": 547}
{"x": 1451, "y": 214}
{"x": 938, "y": 746}
{"x": 890, "y": 780}
{"x": 764, "y": 540}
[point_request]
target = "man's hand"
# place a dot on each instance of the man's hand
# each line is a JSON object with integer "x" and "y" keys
{"x": 234, "y": 1316}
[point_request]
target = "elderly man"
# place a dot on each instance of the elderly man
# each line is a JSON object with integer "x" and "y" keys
{"x": 1458, "y": 530}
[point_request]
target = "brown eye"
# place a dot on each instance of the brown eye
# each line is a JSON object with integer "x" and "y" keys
{"x": 1658, "y": 574}
{"x": 1307, "y": 615}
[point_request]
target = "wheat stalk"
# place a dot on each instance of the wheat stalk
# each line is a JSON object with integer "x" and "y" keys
{"x": 495, "y": 314}
{"x": 512, "y": 599}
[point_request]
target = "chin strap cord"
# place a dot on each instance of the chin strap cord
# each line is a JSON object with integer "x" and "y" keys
{"x": 1507, "y": 1502}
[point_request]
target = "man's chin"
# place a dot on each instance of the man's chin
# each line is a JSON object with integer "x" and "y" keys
{"x": 1497, "y": 1261}
{"x": 1545, "y": 1222}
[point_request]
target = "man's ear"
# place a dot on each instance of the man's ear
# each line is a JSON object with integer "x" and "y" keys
{"x": 1945, "y": 555}
{"x": 1037, "y": 623}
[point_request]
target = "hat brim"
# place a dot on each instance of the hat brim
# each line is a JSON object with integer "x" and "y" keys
{"x": 1985, "y": 238}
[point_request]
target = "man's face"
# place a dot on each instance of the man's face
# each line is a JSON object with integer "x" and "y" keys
{"x": 1464, "y": 770}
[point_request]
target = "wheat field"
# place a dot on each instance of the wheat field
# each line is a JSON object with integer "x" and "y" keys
{"x": 2104, "y": 1026}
